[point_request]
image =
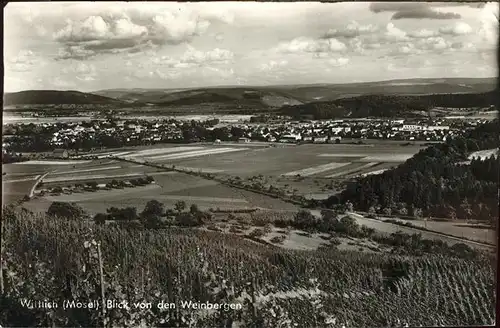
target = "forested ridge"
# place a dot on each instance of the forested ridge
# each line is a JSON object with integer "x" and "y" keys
{"x": 56, "y": 97}
{"x": 438, "y": 181}
{"x": 389, "y": 105}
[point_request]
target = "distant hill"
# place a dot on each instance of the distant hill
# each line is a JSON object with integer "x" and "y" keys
{"x": 272, "y": 97}
{"x": 390, "y": 105}
{"x": 47, "y": 97}
{"x": 221, "y": 97}
{"x": 326, "y": 92}
{"x": 238, "y": 99}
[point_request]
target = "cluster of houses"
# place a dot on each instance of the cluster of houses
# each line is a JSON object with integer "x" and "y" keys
{"x": 144, "y": 131}
{"x": 334, "y": 130}
{"x": 279, "y": 131}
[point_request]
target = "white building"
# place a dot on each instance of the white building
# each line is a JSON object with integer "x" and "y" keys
{"x": 412, "y": 127}
{"x": 320, "y": 139}
{"x": 438, "y": 128}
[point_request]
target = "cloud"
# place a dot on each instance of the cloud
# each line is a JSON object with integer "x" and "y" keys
{"x": 174, "y": 29}
{"x": 81, "y": 71}
{"x": 59, "y": 83}
{"x": 352, "y": 30}
{"x": 165, "y": 75}
{"x": 392, "y": 33}
{"x": 74, "y": 52}
{"x": 463, "y": 46}
{"x": 213, "y": 56}
{"x": 425, "y": 13}
{"x": 273, "y": 65}
{"x": 488, "y": 32}
{"x": 224, "y": 73}
{"x": 194, "y": 58}
{"x": 423, "y": 33}
{"x": 456, "y": 29}
{"x": 413, "y": 10}
{"x": 393, "y": 68}
{"x": 219, "y": 37}
{"x": 433, "y": 43}
{"x": 133, "y": 30}
{"x": 24, "y": 61}
{"x": 308, "y": 45}
{"x": 378, "y": 7}
{"x": 338, "y": 61}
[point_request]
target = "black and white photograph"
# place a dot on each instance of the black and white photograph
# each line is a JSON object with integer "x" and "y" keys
{"x": 249, "y": 164}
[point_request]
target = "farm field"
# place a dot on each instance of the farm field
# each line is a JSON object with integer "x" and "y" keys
{"x": 20, "y": 178}
{"x": 169, "y": 188}
{"x": 170, "y": 153}
{"x": 372, "y": 169}
{"x": 104, "y": 173}
{"x": 310, "y": 159}
{"x": 12, "y": 192}
{"x": 317, "y": 164}
{"x": 387, "y": 227}
{"x": 460, "y": 229}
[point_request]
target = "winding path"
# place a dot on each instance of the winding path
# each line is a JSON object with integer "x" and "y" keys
{"x": 40, "y": 178}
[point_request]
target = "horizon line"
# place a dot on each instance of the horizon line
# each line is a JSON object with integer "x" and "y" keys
{"x": 263, "y": 85}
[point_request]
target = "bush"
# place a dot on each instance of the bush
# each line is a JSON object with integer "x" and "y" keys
{"x": 122, "y": 214}
{"x": 188, "y": 220}
{"x": 283, "y": 223}
{"x": 153, "y": 208}
{"x": 169, "y": 212}
{"x": 66, "y": 210}
{"x": 194, "y": 209}
{"x": 278, "y": 239}
{"x": 100, "y": 218}
{"x": 152, "y": 213}
{"x": 92, "y": 185}
{"x": 142, "y": 181}
{"x": 257, "y": 233}
{"x": 335, "y": 241}
{"x": 347, "y": 226}
{"x": 305, "y": 220}
{"x": 366, "y": 232}
{"x": 180, "y": 206}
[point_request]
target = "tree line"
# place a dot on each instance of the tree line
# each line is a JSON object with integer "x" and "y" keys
{"x": 439, "y": 181}
{"x": 388, "y": 105}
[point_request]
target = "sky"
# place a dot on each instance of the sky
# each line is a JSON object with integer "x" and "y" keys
{"x": 90, "y": 46}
